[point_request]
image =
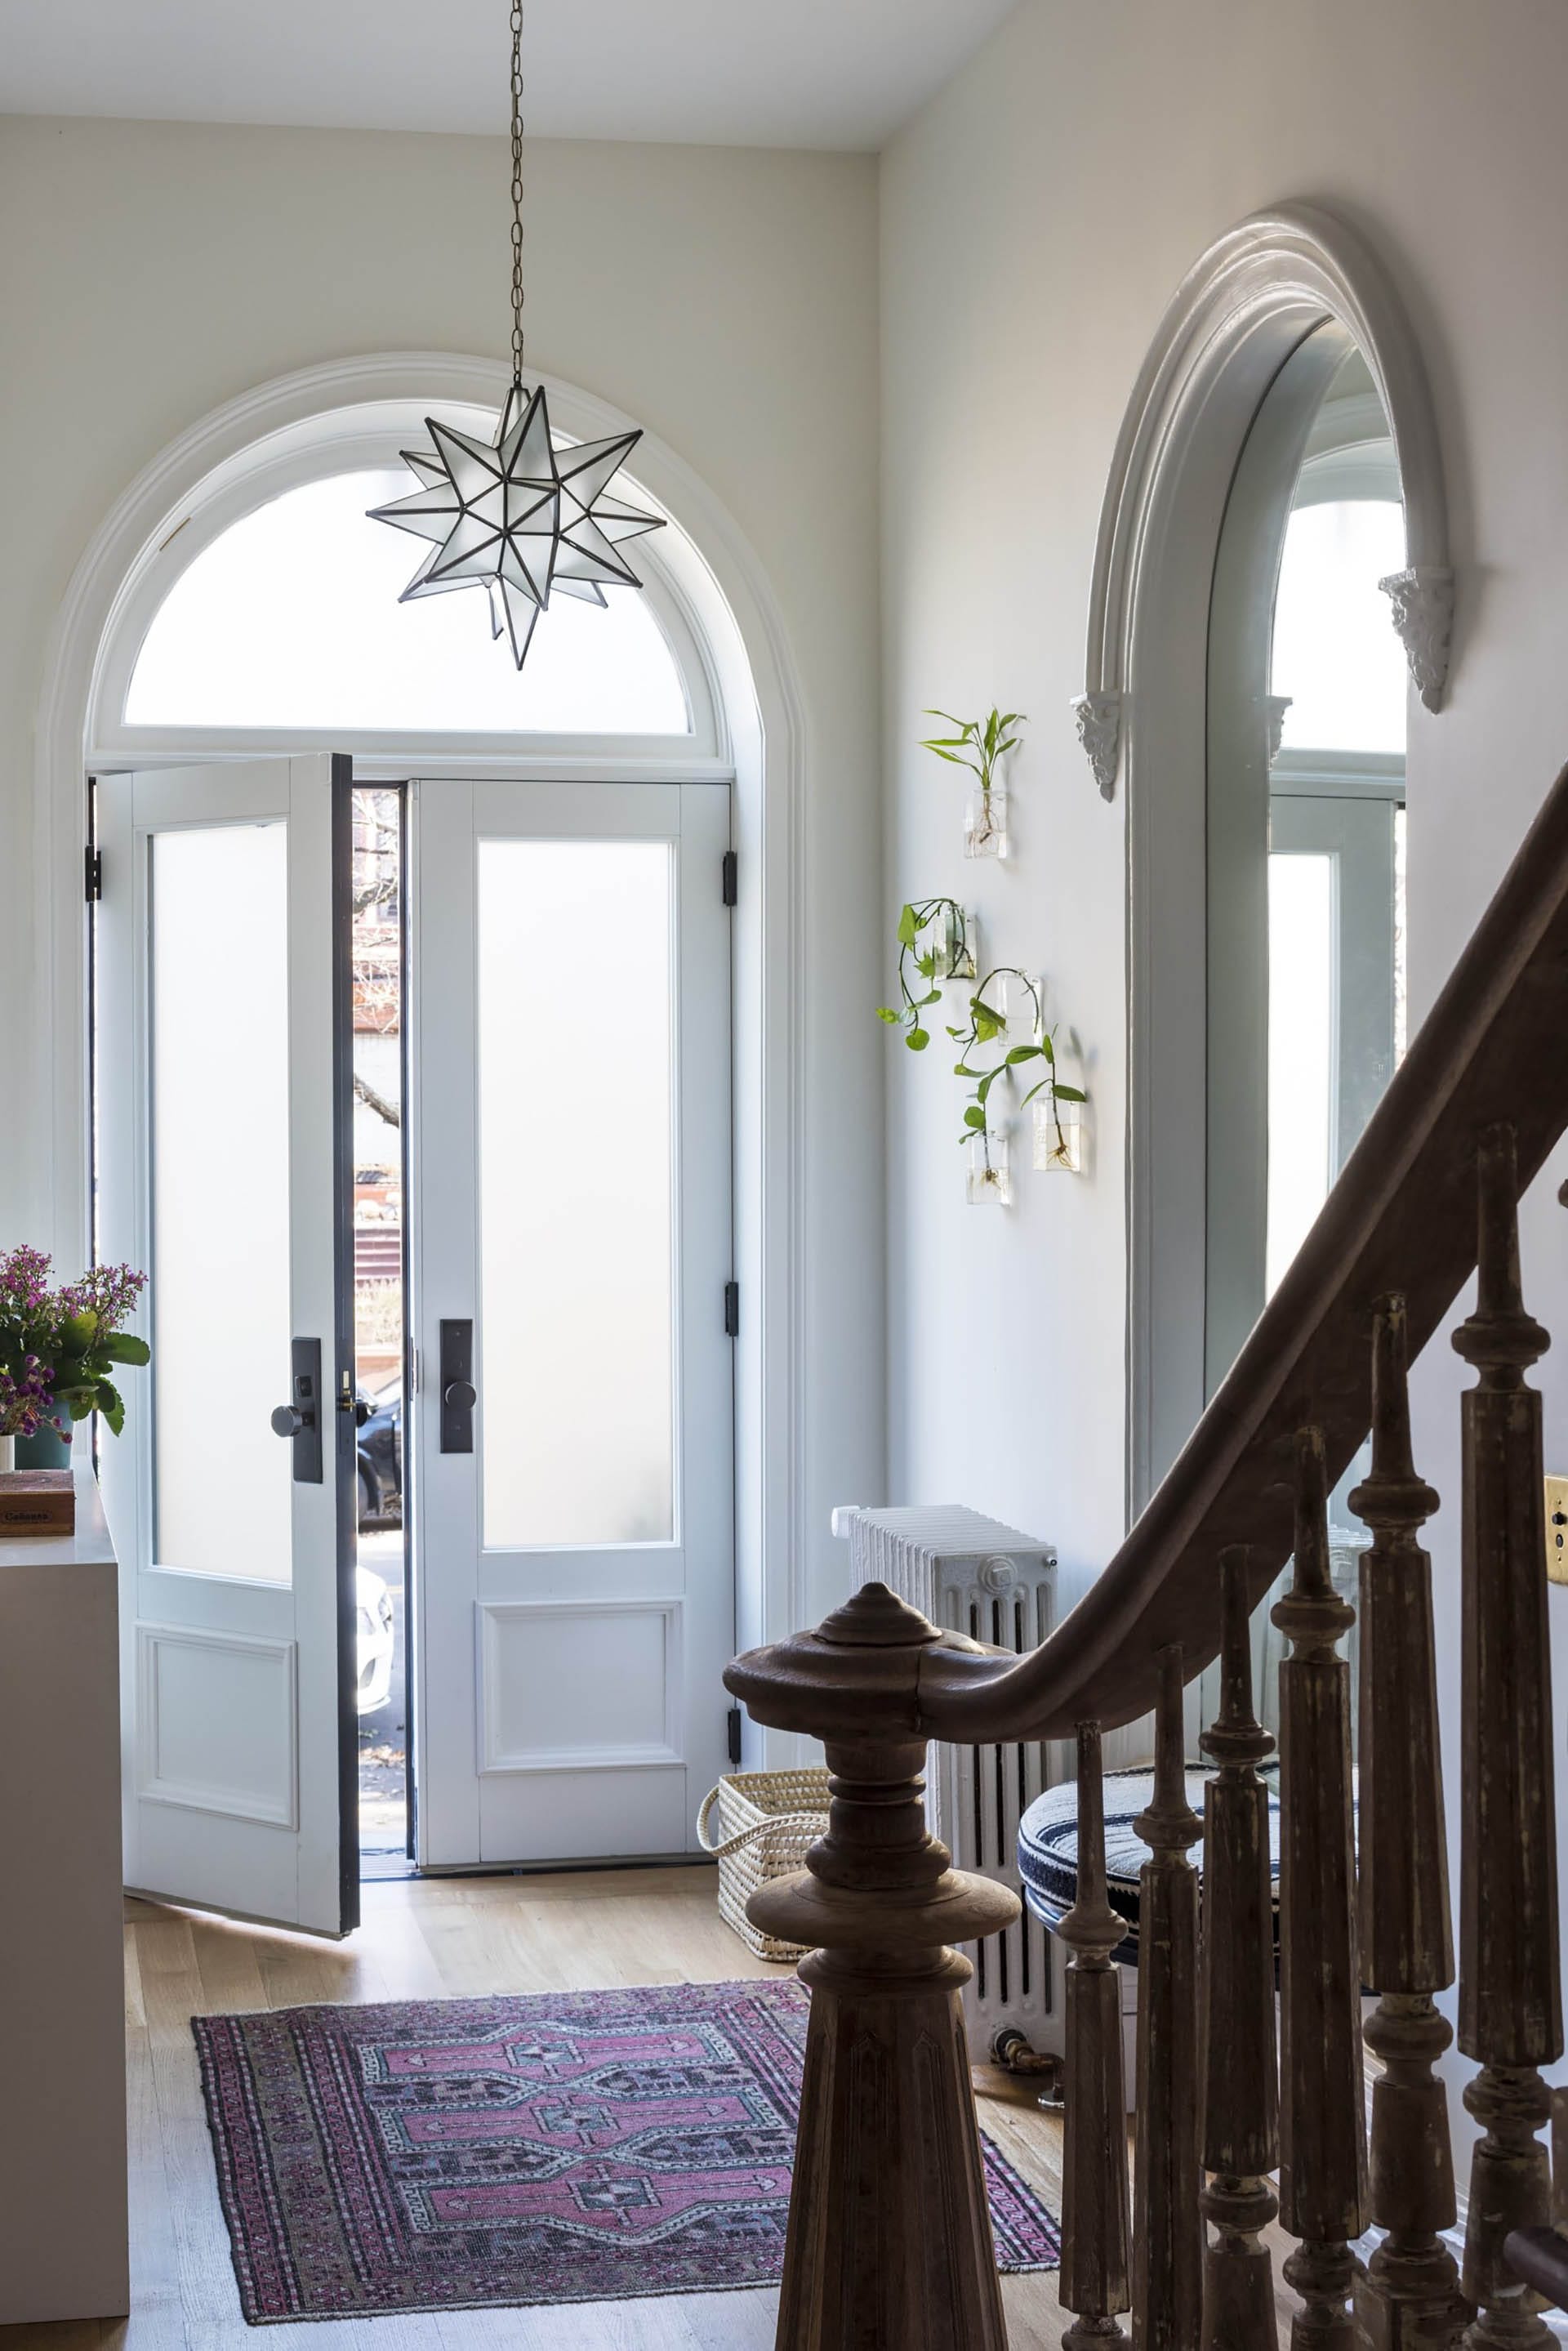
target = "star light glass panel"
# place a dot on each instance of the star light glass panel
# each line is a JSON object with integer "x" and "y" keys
{"x": 519, "y": 516}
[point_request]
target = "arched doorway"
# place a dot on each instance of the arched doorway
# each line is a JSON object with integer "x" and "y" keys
{"x": 187, "y": 676}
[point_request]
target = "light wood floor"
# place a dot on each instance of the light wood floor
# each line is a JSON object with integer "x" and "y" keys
{"x": 426, "y": 1941}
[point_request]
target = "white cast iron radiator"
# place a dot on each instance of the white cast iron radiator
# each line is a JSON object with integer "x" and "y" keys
{"x": 971, "y": 1574}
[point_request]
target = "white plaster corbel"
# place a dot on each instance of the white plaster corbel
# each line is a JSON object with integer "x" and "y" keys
{"x": 1423, "y": 602}
{"x": 1274, "y": 708}
{"x": 1098, "y": 718}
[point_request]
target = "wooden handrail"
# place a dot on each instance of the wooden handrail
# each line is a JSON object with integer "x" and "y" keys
{"x": 1401, "y": 1218}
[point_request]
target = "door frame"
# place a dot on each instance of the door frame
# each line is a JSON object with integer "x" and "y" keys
{"x": 761, "y": 747}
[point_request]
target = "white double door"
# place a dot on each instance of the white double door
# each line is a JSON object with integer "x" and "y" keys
{"x": 569, "y": 1151}
{"x": 572, "y": 1482}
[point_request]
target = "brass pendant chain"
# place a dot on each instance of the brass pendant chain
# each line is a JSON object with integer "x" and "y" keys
{"x": 517, "y": 192}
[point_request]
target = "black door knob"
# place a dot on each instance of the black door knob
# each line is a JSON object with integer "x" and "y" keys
{"x": 461, "y": 1395}
{"x": 287, "y": 1420}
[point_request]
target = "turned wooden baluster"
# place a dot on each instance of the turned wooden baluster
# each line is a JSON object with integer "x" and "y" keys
{"x": 1241, "y": 2084}
{"x": 889, "y": 2245}
{"x": 1167, "y": 2228}
{"x": 1096, "y": 2276}
{"x": 1322, "y": 2138}
{"x": 1409, "y": 2297}
{"x": 1511, "y": 2014}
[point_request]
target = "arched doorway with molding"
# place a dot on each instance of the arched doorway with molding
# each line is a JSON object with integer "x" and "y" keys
{"x": 561, "y": 1063}
{"x": 1271, "y": 594}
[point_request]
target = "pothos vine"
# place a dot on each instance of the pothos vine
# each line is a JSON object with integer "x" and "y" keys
{"x": 920, "y": 968}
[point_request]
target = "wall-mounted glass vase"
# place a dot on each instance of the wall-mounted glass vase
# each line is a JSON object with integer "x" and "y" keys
{"x": 957, "y": 945}
{"x": 1017, "y": 996}
{"x": 985, "y": 823}
{"x": 989, "y": 1183}
{"x": 1058, "y": 1135}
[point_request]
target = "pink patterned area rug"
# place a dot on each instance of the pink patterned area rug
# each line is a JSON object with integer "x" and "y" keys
{"x": 455, "y": 2154}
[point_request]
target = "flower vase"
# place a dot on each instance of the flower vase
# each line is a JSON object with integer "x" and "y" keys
{"x": 47, "y": 1449}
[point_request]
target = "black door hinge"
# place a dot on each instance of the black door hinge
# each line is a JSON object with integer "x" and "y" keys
{"x": 731, "y": 872}
{"x": 732, "y": 1310}
{"x": 92, "y": 866}
{"x": 733, "y": 1728}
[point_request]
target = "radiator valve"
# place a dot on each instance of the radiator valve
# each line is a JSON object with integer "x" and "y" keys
{"x": 1016, "y": 2053}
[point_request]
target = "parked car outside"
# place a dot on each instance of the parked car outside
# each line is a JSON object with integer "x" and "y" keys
{"x": 381, "y": 1444}
{"x": 376, "y": 1639}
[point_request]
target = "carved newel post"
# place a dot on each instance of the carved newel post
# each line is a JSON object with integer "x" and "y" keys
{"x": 889, "y": 2245}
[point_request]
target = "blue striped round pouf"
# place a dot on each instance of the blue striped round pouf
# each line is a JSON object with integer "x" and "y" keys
{"x": 1048, "y": 1846}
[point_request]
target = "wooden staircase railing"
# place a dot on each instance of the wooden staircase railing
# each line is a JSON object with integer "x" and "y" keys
{"x": 890, "y": 2243}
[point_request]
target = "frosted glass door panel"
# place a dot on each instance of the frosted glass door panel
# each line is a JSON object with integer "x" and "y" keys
{"x": 220, "y": 1121}
{"x": 576, "y": 1145}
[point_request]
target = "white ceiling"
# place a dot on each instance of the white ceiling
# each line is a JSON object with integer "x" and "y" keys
{"x": 766, "y": 73}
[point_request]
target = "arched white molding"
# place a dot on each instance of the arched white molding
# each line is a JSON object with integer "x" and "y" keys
{"x": 710, "y": 567}
{"x": 1290, "y": 269}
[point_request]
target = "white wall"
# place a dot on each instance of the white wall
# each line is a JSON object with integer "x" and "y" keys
{"x": 726, "y": 299}
{"x": 1034, "y": 220}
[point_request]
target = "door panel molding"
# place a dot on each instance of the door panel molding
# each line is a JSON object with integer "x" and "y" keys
{"x": 495, "y": 1617}
{"x": 276, "y": 1803}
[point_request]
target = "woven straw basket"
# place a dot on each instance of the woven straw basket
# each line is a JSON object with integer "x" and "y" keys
{"x": 766, "y": 1820}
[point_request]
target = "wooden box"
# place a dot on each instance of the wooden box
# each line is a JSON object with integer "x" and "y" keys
{"x": 38, "y": 1502}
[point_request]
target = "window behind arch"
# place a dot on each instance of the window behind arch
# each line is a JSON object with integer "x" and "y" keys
{"x": 1336, "y": 654}
{"x": 290, "y": 618}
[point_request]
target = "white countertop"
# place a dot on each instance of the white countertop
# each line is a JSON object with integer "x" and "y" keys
{"x": 89, "y": 1546}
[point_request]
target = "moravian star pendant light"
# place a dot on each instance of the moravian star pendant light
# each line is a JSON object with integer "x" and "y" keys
{"x": 517, "y": 515}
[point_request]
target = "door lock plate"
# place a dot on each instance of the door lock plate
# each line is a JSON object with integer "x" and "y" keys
{"x": 458, "y": 1396}
{"x": 300, "y": 1419}
{"x": 1557, "y": 1530}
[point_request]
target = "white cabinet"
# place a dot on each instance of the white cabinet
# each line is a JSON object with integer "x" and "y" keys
{"x": 62, "y": 1982}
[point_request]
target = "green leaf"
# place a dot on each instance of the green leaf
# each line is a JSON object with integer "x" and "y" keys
{"x": 986, "y": 1083}
{"x": 974, "y": 1119}
{"x": 109, "y": 1405}
{"x": 918, "y": 1040}
{"x": 908, "y": 928}
{"x": 1069, "y": 1093}
{"x": 1017, "y": 1053}
{"x": 124, "y": 1347}
{"x": 1038, "y": 1087}
{"x": 926, "y": 966}
{"x": 1048, "y": 1048}
{"x": 886, "y": 1012}
{"x": 934, "y": 998}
